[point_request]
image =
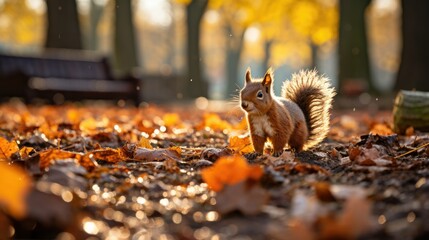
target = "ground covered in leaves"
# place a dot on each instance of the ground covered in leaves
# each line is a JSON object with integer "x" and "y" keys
{"x": 97, "y": 172}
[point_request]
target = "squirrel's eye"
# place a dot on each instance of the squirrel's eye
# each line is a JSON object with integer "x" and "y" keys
{"x": 259, "y": 94}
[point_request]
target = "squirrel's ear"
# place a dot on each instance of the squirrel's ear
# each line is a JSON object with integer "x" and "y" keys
{"x": 248, "y": 75}
{"x": 268, "y": 78}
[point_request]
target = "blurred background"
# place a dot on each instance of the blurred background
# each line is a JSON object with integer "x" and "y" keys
{"x": 183, "y": 49}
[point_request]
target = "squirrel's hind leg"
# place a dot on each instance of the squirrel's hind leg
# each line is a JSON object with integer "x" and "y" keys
{"x": 298, "y": 137}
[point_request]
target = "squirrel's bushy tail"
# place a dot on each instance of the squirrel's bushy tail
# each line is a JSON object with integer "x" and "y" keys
{"x": 313, "y": 94}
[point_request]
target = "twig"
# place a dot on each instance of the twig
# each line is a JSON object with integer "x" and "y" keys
{"x": 411, "y": 151}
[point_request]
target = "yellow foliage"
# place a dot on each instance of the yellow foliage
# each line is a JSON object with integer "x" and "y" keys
{"x": 14, "y": 186}
{"x": 20, "y": 24}
{"x": 186, "y": 2}
{"x": 230, "y": 170}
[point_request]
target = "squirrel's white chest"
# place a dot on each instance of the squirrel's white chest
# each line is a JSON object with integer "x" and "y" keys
{"x": 262, "y": 126}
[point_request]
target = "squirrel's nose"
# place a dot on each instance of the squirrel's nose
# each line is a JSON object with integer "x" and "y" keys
{"x": 244, "y": 105}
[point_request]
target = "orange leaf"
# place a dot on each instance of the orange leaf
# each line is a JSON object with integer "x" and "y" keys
{"x": 7, "y": 149}
{"x": 144, "y": 143}
{"x": 107, "y": 154}
{"x": 229, "y": 170}
{"x": 241, "y": 144}
{"x": 15, "y": 186}
{"x": 49, "y": 155}
{"x": 214, "y": 122}
{"x": 25, "y": 152}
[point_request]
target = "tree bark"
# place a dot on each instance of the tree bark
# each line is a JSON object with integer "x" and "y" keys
{"x": 194, "y": 85}
{"x": 125, "y": 50}
{"x": 411, "y": 110}
{"x": 63, "y": 29}
{"x": 95, "y": 14}
{"x": 234, "y": 49}
{"x": 267, "y": 55}
{"x": 414, "y": 67}
{"x": 354, "y": 68}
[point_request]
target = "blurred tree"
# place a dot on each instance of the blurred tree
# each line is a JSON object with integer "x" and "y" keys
{"x": 238, "y": 16}
{"x": 194, "y": 84}
{"x": 21, "y": 24}
{"x": 313, "y": 20}
{"x": 125, "y": 52}
{"x": 354, "y": 70}
{"x": 63, "y": 25}
{"x": 414, "y": 67}
{"x": 95, "y": 14}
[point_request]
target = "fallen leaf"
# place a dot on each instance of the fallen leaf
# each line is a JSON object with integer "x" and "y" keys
{"x": 25, "y": 152}
{"x": 241, "y": 144}
{"x": 7, "y": 149}
{"x": 214, "y": 122}
{"x": 144, "y": 143}
{"x": 171, "y": 119}
{"x": 144, "y": 154}
{"x": 46, "y": 157}
{"x": 15, "y": 184}
{"x": 213, "y": 154}
{"x": 246, "y": 197}
{"x": 230, "y": 170}
{"x": 110, "y": 155}
{"x": 354, "y": 221}
{"x": 323, "y": 192}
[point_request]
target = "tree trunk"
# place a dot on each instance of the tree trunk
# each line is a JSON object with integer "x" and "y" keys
{"x": 125, "y": 51}
{"x": 95, "y": 14}
{"x": 314, "y": 55}
{"x": 234, "y": 49}
{"x": 354, "y": 69}
{"x": 194, "y": 85}
{"x": 63, "y": 29}
{"x": 267, "y": 55}
{"x": 414, "y": 68}
{"x": 411, "y": 110}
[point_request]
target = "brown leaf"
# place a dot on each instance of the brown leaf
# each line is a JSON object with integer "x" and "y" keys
{"x": 323, "y": 192}
{"x": 213, "y": 154}
{"x": 353, "y": 221}
{"x": 106, "y": 154}
{"x": 246, "y": 196}
{"x": 144, "y": 154}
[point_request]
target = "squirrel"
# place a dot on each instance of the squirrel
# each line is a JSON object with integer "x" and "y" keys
{"x": 300, "y": 118}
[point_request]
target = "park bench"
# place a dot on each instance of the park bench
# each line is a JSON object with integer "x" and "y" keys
{"x": 71, "y": 75}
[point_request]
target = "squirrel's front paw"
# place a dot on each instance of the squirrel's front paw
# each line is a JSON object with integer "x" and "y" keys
{"x": 277, "y": 153}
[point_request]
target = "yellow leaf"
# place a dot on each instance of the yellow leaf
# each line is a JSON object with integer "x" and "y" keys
{"x": 14, "y": 186}
{"x": 7, "y": 149}
{"x": 214, "y": 122}
{"x": 171, "y": 119}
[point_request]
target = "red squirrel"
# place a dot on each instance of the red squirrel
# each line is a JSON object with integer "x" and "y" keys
{"x": 299, "y": 118}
